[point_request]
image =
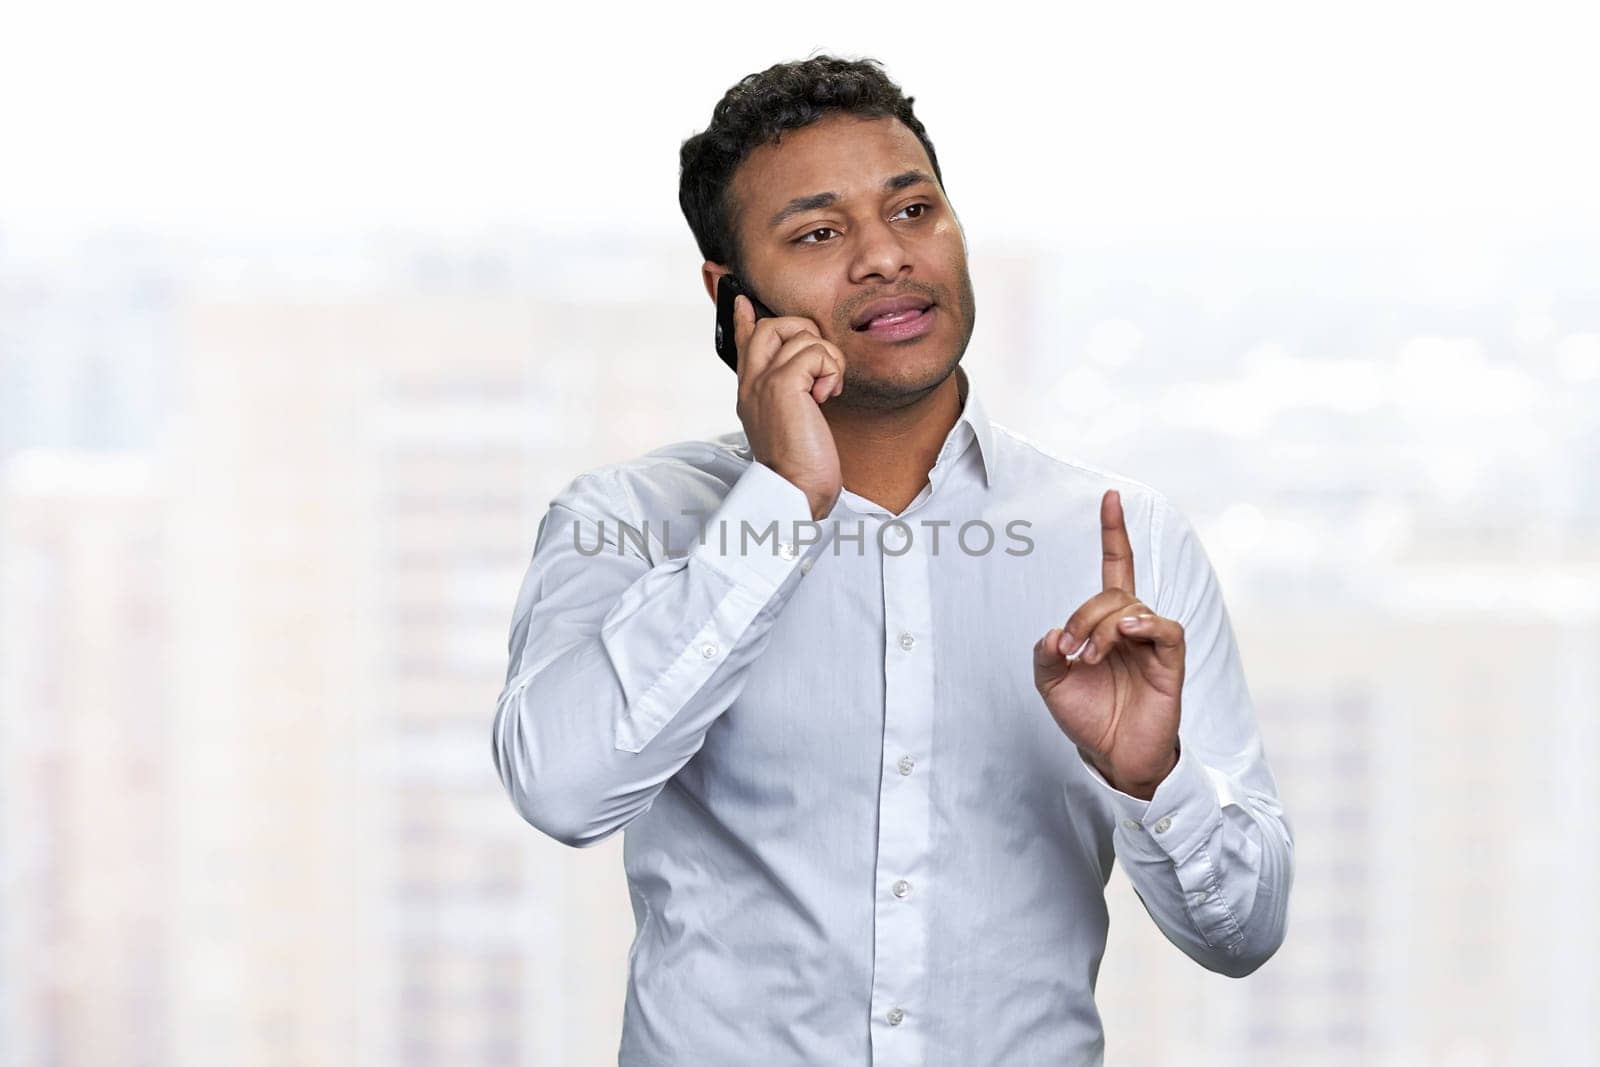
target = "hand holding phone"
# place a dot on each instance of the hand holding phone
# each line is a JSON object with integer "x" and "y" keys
{"x": 789, "y": 372}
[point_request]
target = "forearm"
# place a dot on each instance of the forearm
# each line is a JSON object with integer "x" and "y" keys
{"x": 1212, "y": 862}
{"x": 624, "y": 668}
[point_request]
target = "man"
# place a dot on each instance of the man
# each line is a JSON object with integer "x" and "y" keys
{"x": 878, "y": 688}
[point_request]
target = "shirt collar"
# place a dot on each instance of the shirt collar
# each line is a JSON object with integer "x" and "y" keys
{"x": 972, "y": 423}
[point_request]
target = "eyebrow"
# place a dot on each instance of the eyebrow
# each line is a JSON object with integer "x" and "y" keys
{"x": 801, "y": 204}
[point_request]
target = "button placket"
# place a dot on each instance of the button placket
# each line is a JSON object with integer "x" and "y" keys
{"x": 900, "y": 940}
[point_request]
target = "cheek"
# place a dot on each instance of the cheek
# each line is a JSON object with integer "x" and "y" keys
{"x": 948, "y": 246}
{"x": 820, "y": 305}
{"x": 948, "y": 235}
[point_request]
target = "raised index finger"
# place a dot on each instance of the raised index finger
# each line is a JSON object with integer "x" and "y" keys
{"x": 1116, "y": 553}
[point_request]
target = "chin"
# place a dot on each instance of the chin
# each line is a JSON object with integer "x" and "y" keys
{"x": 888, "y": 375}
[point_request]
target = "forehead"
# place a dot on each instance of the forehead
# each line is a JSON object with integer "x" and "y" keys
{"x": 845, "y": 154}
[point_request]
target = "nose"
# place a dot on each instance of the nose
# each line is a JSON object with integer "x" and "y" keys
{"x": 881, "y": 253}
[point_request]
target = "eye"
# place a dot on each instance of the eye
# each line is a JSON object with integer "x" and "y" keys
{"x": 925, "y": 208}
{"x": 820, "y": 229}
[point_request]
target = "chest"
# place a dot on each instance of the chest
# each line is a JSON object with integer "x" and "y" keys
{"x": 879, "y": 664}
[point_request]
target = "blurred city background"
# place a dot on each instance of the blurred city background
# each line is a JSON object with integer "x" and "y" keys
{"x": 300, "y": 332}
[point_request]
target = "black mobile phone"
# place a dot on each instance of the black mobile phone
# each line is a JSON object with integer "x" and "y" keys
{"x": 728, "y": 287}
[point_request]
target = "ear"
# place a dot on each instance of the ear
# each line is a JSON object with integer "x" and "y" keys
{"x": 710, "y": 272}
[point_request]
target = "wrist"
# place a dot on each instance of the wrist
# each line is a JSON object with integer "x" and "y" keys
{"x": 1146, "y": 790}
{"x": 820, "y": 508}
{"x": 1141, "y": 790}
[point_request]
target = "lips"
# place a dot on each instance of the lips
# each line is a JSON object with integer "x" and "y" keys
{"x": 893, "y": 309}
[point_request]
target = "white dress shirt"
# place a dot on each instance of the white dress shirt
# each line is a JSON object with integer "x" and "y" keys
{"x": 854, "y": 832}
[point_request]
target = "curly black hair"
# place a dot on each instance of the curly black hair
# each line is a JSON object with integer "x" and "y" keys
{"x": 756, "y": 111}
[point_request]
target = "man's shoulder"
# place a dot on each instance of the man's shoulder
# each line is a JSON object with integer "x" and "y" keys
{"x": 1064, "y": 492}
{"x": 1041, "y": 469}
{"x": 690, "y": 472}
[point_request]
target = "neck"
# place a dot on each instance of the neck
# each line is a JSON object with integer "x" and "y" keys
{"x": 885, "y": 456}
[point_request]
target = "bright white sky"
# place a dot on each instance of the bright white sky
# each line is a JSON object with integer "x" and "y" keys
{"x": 1105, "y": 118}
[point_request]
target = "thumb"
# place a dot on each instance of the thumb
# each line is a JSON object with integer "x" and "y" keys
{"x": 1047, "y": 652}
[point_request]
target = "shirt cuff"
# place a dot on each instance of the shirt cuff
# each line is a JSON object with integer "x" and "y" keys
{"x": 762, "y": 532}
{"x": 1178, "y": 817}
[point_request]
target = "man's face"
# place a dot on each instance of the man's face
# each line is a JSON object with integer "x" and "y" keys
{"x": 886, "y": 233}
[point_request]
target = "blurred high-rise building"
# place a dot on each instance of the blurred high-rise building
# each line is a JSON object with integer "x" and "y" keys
{"x": 87, "y": 920}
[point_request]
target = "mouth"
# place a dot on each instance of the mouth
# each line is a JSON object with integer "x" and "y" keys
{"x": 899, "y": 325}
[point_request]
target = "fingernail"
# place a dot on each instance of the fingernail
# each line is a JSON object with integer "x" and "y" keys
{"x": 1068, "y": 643}
{"x": 1131, "y": 623}
{"x": 1088, "y": 652}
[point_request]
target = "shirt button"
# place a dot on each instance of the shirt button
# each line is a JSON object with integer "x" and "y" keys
{"x": 895, "y": 1016}
{"x": 1161, "y": 827}
{"x": 709, "y": 650}
{"x": 906, "y": 763}
{"x": 1133, "y": 824}
{"x": 906, "y": 641}
{"x": 901, "y": 888}
{"x": 786, "y": 550}
{"x": 805, "y": 565}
